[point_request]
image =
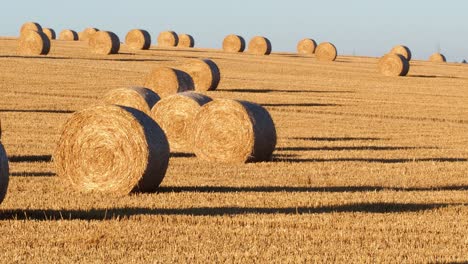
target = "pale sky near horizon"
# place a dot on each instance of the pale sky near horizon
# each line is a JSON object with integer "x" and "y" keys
{"x": 361, "y": 27}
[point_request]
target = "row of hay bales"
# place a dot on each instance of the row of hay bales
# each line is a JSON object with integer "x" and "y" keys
{"x": 4, "y": 169}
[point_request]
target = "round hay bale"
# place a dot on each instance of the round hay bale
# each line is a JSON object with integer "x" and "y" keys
{"x": 113, "y": 150}
{"x": 437, "y": 57}
{"x": 104, "y": 43}
{"x": 4, "y": 173}
{"x": 168, "y": 39}
{"x": 204, "y": 73}
{"x": 140, "y": 98}
{"x": 326, "y": 51}
{"x": 165, "y": 81}
{"x": 306, "y": 46}
{"x": 186, "y": 41}
{"x": 30, "y": 26}
{"x": 68, "y": 35}
{"x": 233, "y": 43}
{"x": 50, "y": 33}
{"x": 175, "y": 114}
{"x": 87, "y": 33}
{"x": 394, "y": 65}
{"x": 259, "y": 46}
{"x": 138, "y": 39}
{"x": 33, "y": 43}
{"x": 232, "y": 131}
{"x": 402, "y": 50}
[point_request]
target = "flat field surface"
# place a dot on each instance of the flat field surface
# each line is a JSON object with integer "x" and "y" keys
{"x": 367, "y": 168}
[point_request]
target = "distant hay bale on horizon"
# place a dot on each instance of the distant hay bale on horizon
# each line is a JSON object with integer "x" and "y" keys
{"x": 186, "y": 41}
{"x": 231, "y": 131}
{"x": 205, "y": 73}
{"x": 234, "y": 43}
{"x": 175, "y": 114}
{"x": 168, "y": 39}
{"x": 259, "y": 46}
{"x": 4, "y": 173}
{"x": 326, "y": 51}
{"x": 33, "y": 43}
{"x": 104, "y": 43}
{"x": 140, "y": 98}
{"x": 30, "y": 26}
{"x": 306, "y": 46}
{"x": 68, "y": 35}
{"x": 166, "y": 81}
{"x": 87, "y": 33}
{"x": 402, "y": 50}
{"x": 50, "y": 33}
{"x": 112, "y": 150}
{"x": 138, "y": 39}
{"x": 394, "y": 65}
{"x": 437, "y": 57}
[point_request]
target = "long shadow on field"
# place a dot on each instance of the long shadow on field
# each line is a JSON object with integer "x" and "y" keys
{"x": 300, "y": 104}
{"x": 336, "y": 138}
{"x": 75, "y": 58}
{"x": 433, "y": 76}
{"x": 372, "y": 160}
{"x": 36, "y": 111}
{"x": 349, "y": 148}
{"x": 30, "y": 158}
{"x": 278, "y": 91}
{"x": 32, "y": 174}
{"x": 119, "y": 213}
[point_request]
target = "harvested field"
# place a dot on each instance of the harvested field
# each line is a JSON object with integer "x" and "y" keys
{"x": 367, "y": 168}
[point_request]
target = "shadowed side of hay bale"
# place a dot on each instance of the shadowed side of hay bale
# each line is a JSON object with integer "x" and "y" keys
{"x": 138, "y": 39}
{"x": 168, "y": 39}
{"x": 402, "y": 50}
{"x": 68, "y": 35}
{"x": 33, "y": 43}
{"x": 204, "y": 73}
{"x": 260, "y": 46}
{"x": 326, "y": 51}
{"x": 113, "y": 150}
{"x": 87, "y": 33}
{"x": 231, "y": 131}
{"x": 186, "y": 41}
{"x": 233, "y": 43}
{"x": 175, "y": 114}
{"x": 4, "y": 173}
{"x": 104, "y": 43}
{"x": 437, "y": 57}
{"x": 393, "y": 65}
{"x": 50, "y": 33}
{"x": 166, "y": 81}
{"x": 140, "y": 98}
{"x": 30, "y": 26}
{"x": 306, "y": 46}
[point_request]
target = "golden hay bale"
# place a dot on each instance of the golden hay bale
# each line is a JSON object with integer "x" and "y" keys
{"x": 140, "y": 98}
{"x": 306, "y": 46}
{"x": 175, "y": 114}
{"x": 68, "y": 35}
{"x": 437, "y": 57}
{"x": 104, "y": 43}
{"x": 168, "y": 39}
{"x": 4, "y": 173}
{"x": 30, "y": 26}
{"x": 138, "y": 39}
{"x": 394, "y": 65}
{"x": 113, "y": 150}
{"x": 232, "y": 131}
{"x": 402, "y": 50}
{"x": 33, "y": 43}
{"x": 165, "y": 81}
{"x": 326, "y": 51}
{"x": 87, "y": 33}
{"x": 50, "y": 33}
{"x": 233, "y": 43}
{"x": 204, "y": 73}
{"x": 186, "y": 41}
{"x": 259, "y": 46}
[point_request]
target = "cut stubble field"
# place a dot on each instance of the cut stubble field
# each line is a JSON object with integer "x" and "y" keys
{"x": 367, "y": 168}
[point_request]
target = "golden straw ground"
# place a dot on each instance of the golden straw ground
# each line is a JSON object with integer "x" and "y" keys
{"x": 165, "y": 81}
{"x": 140, "y": 98}
{"x": 326, "y": 51}
{"x": 306, "y": 46}
{"x": 233, "y": 43}
{"x": 168, "y": 39}
{"x": 87, "y": 33}
{"x": 50, "y": 33}
{"x": 402, "y": 50}
{"x": 112, "y": 150}
{"x": 394, "y": 65}
{"x": 205, "y": 73}
{"x": 259, "y": 46}
{"x": 33, "y": 43}
{"x": 437, "y": 57}
{"x": 175, "y": 114}
{"x": 104, "y": 43}
{"x": 138, "y": 39}
{"x": 4, "y": 173}
{"x": 230, "y": 131}
{"x": 68, "y": 35}
{"x": 30, "y": 26}
{"x": 186, "y": 41}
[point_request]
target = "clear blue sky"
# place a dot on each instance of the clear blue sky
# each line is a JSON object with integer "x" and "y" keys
{"x": 362, "y": 27}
